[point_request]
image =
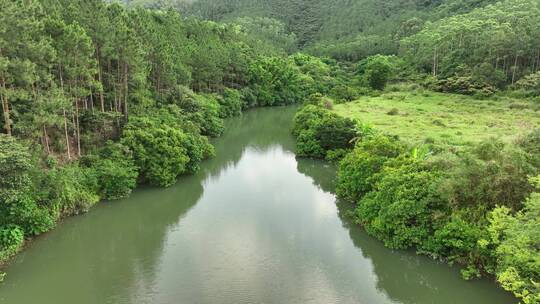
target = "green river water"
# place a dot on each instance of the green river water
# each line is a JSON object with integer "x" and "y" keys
{"x": 255, "y": 225}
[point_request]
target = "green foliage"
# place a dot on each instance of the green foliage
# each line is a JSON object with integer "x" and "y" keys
{"x": 455, "y": 240}
{"x": 18, "y": 205}
{"x": 488, "y": 47}
{"x": 163, "y": 151}
{"x": 15, "y": 164}
{"x": 11, "y": 240}
{"x": 70, "y": 189}
{"x": 516, "y": 238}
{"x": 343, "y": 93}
{"x": 269, "y": 35}
{"x": 359, "y": 170}
{"x": 376, "y": 71}
{"x": 466, "y": 85}
{"x": 116, "y": 171}
{"x": 230, "y": 103}
{"x": 319, "y": 131}
{"x": 490, "y": 174}
{"x": 275, "y": 81}
{"x": 400, "y": 209}
{"x": 530, "y": 83}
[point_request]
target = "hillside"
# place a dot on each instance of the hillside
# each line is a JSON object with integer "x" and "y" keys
{"x": 316, "y": 21}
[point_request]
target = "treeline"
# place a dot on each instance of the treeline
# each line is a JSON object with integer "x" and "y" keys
{"x": 337, "y": 27}
{"x": 467, "y": 46}
{"x": 475, "y": 206}
{"x": 98, "y": 98}
{"x": 490, "y": 47}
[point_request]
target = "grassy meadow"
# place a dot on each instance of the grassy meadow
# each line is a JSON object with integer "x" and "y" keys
{"x": 449, "y": 119}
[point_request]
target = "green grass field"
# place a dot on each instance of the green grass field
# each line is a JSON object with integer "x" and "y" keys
{"x": 428, "y": 117}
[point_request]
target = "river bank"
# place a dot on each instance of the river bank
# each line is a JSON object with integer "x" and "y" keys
{"x": 255, "y": 224}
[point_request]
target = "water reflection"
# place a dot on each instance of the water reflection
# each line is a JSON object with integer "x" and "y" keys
{"x": 403, "y": 275}
{"x": 255, "y": 225}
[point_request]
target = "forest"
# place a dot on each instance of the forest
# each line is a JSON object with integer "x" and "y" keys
{"x": 99, "y": 97}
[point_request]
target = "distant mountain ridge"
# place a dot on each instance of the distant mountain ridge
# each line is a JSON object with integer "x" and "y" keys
{"x": 317, "y": 20}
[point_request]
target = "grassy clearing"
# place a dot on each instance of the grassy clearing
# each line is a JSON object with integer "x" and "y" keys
{"x": 448, "y": 119}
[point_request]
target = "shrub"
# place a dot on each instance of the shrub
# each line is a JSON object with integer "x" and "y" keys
{"x": 357, "y": 171}
{"x": 18, "y": 193}
{"x": 455, "y": 240}
{"x": 306, "y": 117}
{"x": 71, "y": 189}
{"x": 276, "y": 81}
{"x": 376, "y": 71}
{"x": 466, "y": 85}
{"x": 393, "y": 112}
{"x": 319, "y": 131}
{"x": 399, "y": 211}
{"x": 158, "y": 152}
{"x": 490, "y": 174}
{"x": 530, "y": 83}
{"x": 308, "y": 146}
{"x": 163, "y": 151}
{"x": 343, "y": 93}
{"x": 335, "y": 132}
{"x": 22, "y": 209}
{"x": 11, "y": 240}
{"x": 231, "y": 103}
{"x": 204, "y": 110}
{"x": 530, "y": 143}
{"x": 516, "y": 239}
{"x": 116, "y": 171}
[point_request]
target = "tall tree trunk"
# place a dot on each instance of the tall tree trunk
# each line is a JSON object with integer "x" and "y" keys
{"x": 92, "y": 101}
{"x": 46, "y": 140}
{"x": 434, "y": 69}
{"x": 67, "y": 136}
{"x": 126, "y": 91}
{"x": 77, "y": 127}
{"x": 515, "y": 69}
{"x": 100, "y": 79}
{"x": 5, "y": 108}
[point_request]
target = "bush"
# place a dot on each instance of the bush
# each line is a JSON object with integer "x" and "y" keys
{"x": 376, "y": 71}
{"x": 163, "y": 151}
{"x": 516, "y": 239}
{"x": 231, "y": 103}
{"x": 465, "y": 85}
{"x": 393, "y": 112}
{"x": 71, "y": 189}
{"x": 357, "y": 171}
{"x": 307, "y": 145}
{"x": 204, "y": 111}
{"x": 158, "y": 152}
{"x": 530, "y": 143}
{"x": 306, "y": 117}
{"x": 18, "y": 193}
{"x": 276, "y": 81}
{"x": 11, "y": 240}
{"x": 530, "y": 83}
{"x": 399, "y": 211}
{"x": 319, "y": 131}
{"x": 116, "y": 171}
{"x": 335, "y": 132}
{"x": 344, "y": 93}
{"x": 22, "y": 209}
{"x": 490, "y": 174}
{"x": 455, "y": 240}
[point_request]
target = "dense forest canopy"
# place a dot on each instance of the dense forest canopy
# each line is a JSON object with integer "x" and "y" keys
{"x": 316, "y": 20}
{"x": 100, "y": 96}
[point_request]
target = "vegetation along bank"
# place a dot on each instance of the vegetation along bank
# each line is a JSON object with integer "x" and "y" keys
{"x": 430, "y": 108}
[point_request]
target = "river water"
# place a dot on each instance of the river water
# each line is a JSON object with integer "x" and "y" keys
{"x": 255, "y": 225}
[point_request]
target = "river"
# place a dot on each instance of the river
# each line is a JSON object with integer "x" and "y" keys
{"x": 255, "y": 225}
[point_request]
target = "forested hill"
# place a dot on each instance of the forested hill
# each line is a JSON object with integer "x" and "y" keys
{"x": 317, "y": 22}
